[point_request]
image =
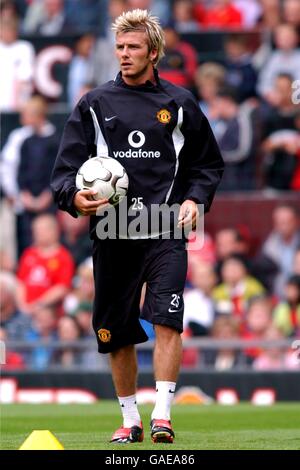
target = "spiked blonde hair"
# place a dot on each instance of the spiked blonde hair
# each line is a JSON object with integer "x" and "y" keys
{"x": 141, "y": 20}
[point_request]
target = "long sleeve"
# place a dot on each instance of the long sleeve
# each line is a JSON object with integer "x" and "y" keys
{"x": 203, "y": 163}
{"x": 11, "y": 159}
{"x": 77, "y": 144}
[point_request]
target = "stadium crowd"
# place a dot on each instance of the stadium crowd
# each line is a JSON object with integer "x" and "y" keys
{"x": 250, "y": 92}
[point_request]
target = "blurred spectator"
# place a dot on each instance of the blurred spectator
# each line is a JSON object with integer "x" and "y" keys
{"x": 83, "y": 288}
{"x": 275, "y": 358}
{"x": 68, "y": 331}
{"x": 17, "y": 60}
{"x": 37, "y": 155}
{"x": 224, "y": 328}
{"x": 281, "y": 136}
{"x": 83, "y": 315}
{"x": 271, "y": 13}
{"x": 282, "y": 244}
{"x": 199, "y": 11}
{"x": 209, "y": 79}
{"x": 45, "y": 270}
{"x": 33, "y": 121}
{"x": 86, "y": 15}
{"x": 6, "y": 262}
{"x": 291, "y": 13}
{"x": 75, "y": 236}
{"x": 236, "y": 289}
{"x": 230, "y": 241}
{"x": 8, "y": 10}
{"x": 201, "y": 249}
{"x": 10, "y": 155}
{"x": 160, "y": 8}
{"x": 43, "y": 330}
{"x": 238, "y": 63}
{"x": 47, "y": 18}
{"x": 237, "y": 140}
{"x": 223, "y": 14}
{"x": 251, "y": 11}
{"x": 285, "y": 59}
{"x": 15, "y": 323}
{"x": 8, "y": 246}
{"x": 183, "y": 13}
{"x": 106, "y": 65}
{"x": 198, "y": 305}
{"x": 33, "y": 15}
{"x": 296, "y": 262}
{"x": 257, "y": 321}
{"x": 179, "y": 63}
{"x": 13, "y": 360}
{"x": 80, "y": 68}
{"x": 287, "y": 314}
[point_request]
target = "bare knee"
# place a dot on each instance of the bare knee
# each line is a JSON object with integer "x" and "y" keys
{"x": 124, "y": 352}
{"x": 166, "y": 334}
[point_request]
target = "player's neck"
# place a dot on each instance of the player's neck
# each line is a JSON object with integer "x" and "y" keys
{"x": 140, "y": 79}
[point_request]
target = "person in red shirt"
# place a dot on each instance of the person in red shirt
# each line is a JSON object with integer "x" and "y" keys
{"x": 46, "y": 268}
{"x": 222, "y": 15}
{"x": 179, "y": 63}
{"x": 258, "y": 321}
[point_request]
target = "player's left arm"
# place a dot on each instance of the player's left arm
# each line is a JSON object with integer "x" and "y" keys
{"x": 202, "y": 162}
{"x": 188, "y": 214}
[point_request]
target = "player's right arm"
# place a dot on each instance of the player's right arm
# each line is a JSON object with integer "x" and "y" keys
{"x": 77, "y": 144}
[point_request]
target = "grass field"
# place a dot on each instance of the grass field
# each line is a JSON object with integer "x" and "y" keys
{"x": 197, "y": 427}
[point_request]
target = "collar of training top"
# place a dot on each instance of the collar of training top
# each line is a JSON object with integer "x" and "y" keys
{"x": 147, "y": 86}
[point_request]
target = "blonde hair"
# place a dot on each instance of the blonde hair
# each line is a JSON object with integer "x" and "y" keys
{"x": 141, "y": 20}
{"x": 210, "y": 71}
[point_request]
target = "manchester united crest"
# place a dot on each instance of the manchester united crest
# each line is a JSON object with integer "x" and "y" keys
{"x": 164, "y": 116}
{"x": 104, "y": 335}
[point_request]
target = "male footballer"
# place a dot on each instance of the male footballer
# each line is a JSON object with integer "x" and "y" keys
{"x": 166, "y": 145}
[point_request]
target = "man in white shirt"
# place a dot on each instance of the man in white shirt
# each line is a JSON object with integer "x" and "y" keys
{"x": 16, "y": 64}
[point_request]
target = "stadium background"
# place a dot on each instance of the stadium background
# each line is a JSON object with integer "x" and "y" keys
{"x": 241, "y": 59}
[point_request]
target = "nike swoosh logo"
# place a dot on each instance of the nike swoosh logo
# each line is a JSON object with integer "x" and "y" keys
{"x": 171, "y": 391}
{"x": 171, "y": 310}
{"x": 109, "y": 119}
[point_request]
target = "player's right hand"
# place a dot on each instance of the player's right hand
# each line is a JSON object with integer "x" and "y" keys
{"x": 85, "y": 204}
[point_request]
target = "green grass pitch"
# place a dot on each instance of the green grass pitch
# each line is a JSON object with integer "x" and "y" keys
{"x": 197, "y": 427}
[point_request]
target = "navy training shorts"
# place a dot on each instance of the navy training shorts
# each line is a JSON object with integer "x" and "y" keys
{"x": 121, "y": 267}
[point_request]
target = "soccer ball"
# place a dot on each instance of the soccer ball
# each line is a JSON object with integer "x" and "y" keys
{"x": 106, "y": 175}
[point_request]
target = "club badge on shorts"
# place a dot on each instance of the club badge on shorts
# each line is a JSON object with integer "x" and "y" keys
{"x": 164, "y": 116}
{"x": 104, "y": 335}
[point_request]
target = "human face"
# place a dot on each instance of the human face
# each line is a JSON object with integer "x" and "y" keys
{"x": 285, "y": 222}
{"x": 233, "y": 272}
{"x": 135, "y": 59}
{"x": 45, "y": 232}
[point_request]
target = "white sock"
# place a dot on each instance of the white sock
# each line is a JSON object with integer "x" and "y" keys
{"x": 164, "y": 397}
{"x": 130, "y": 412}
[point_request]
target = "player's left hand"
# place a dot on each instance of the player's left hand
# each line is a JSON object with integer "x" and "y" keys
{"x": 188, "y": 214}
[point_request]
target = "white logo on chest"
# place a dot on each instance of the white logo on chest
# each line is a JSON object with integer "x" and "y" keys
{"x": 136, "y": 139}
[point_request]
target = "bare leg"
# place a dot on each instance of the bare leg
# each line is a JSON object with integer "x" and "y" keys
{"x": 167, "y": 353}
{"x": 124, "y": 370}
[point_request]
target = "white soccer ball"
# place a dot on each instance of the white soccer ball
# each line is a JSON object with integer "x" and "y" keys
{"x": 106, "y": 175}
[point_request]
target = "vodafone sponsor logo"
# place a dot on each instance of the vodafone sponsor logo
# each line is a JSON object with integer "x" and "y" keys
{"x": 136, "y": 140}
